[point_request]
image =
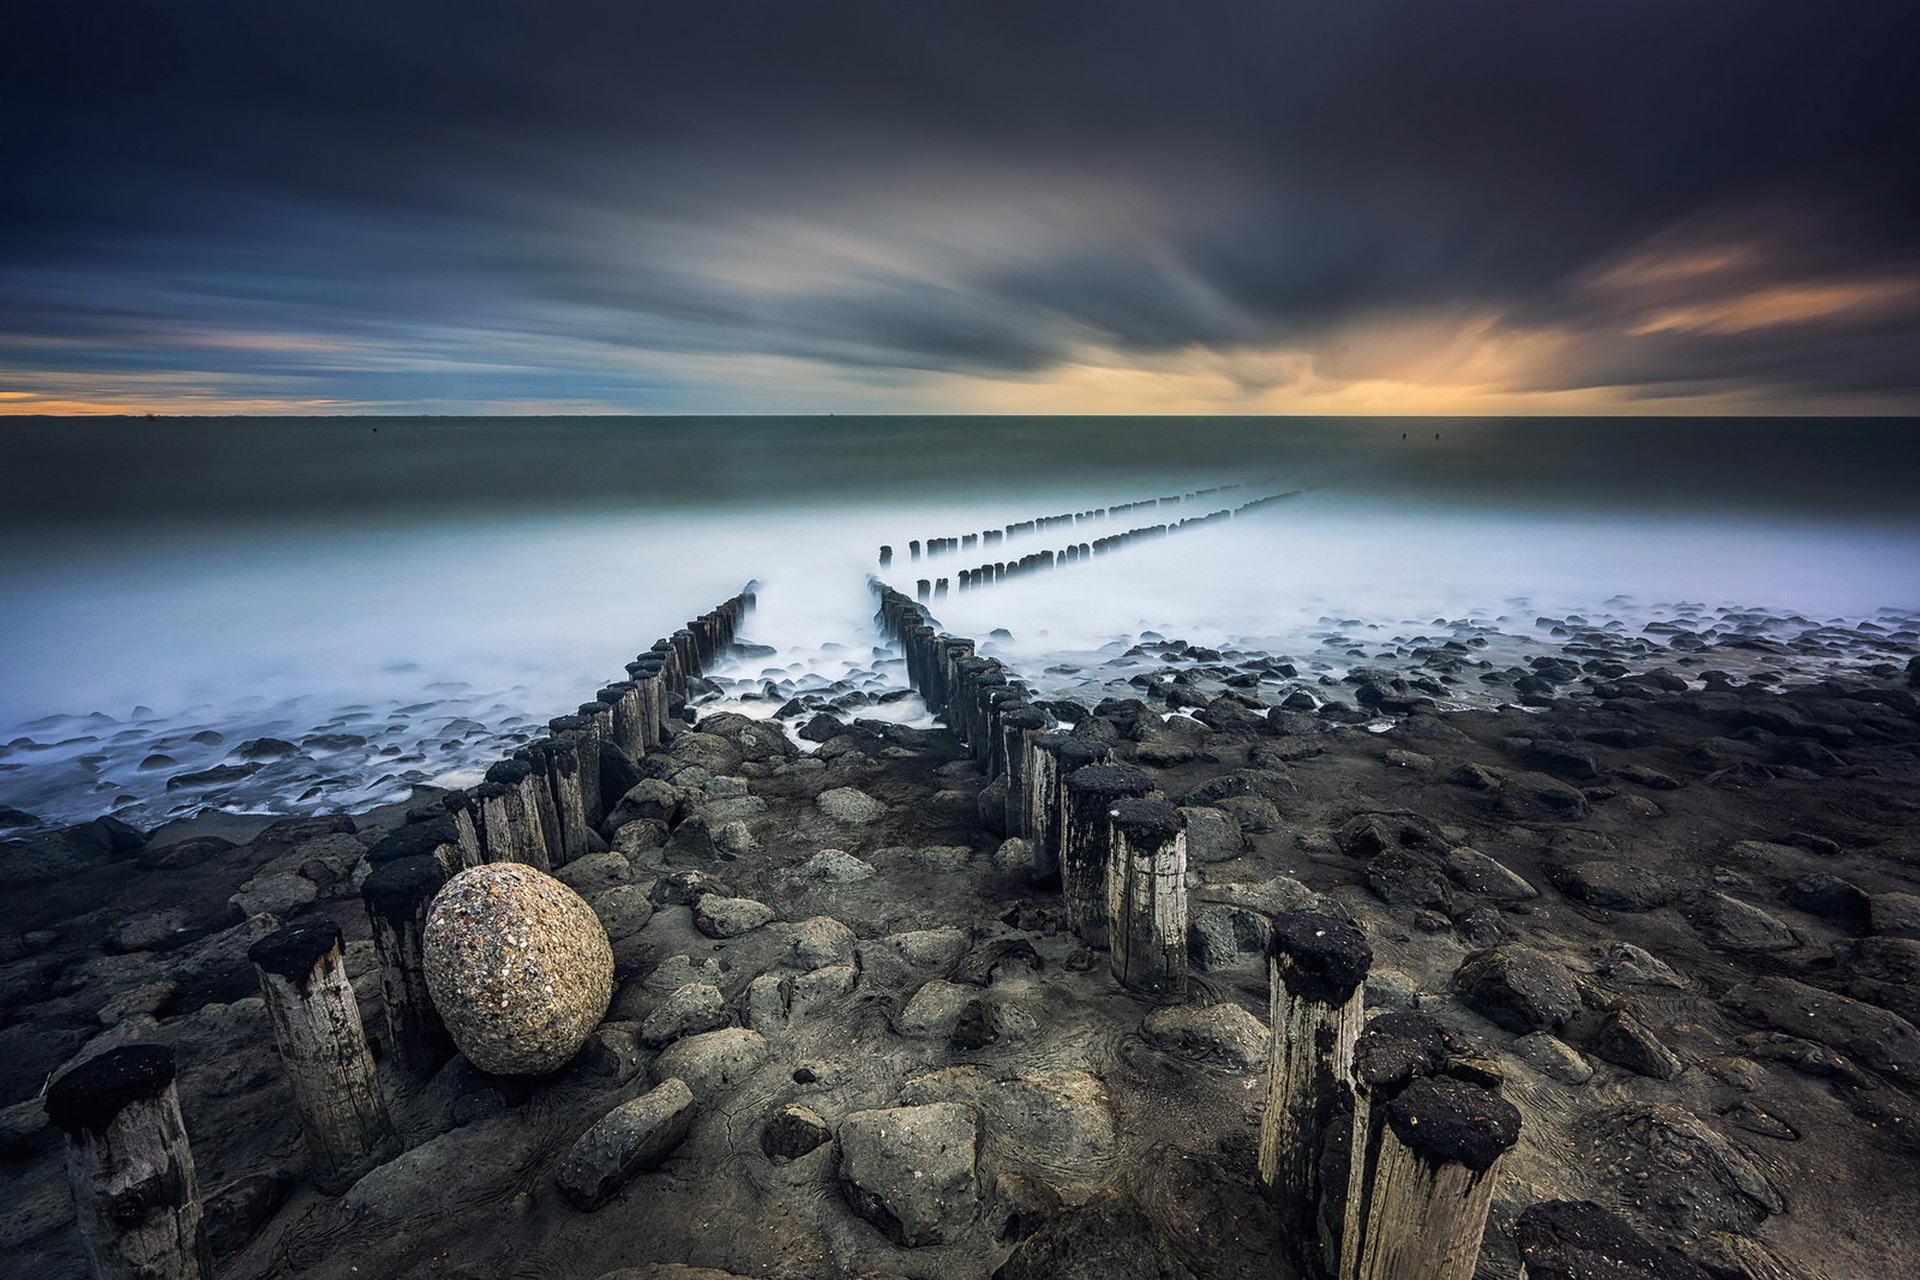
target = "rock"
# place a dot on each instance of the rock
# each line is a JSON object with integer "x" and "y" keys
{"x": 1218, "y": 936}
{"x": 834, "y": 866}
{"x": 155, "y": 931}
{"x": 1625, "y": 1041}
{"x": 611, "y": 1056}
{"x": 792, "y": 1131}
{"x": 851, "y": 806}
{"x": 1652, "y": 779}
{"x": 1721, "y": 1255}
{"x": 1518, "y": 988}
{"x": 713, "y": 1061}
{"x": 1255, "y": 814}
{"x": 1882, "y": 1040}
{"x": 237, "y": 1211}
{"x": 823, "y": 986}
{"x": 1367, "y": 835}
{"x": 1535, "y": 797}
{"x": 282, "y": 896}
{"x": 518, "y": 966}
{"x": 1892, "y": 960}
{"x": 929, "y": 948}
{"x": 1213, "y": 835}
{"x": 1402, "y": 878}
{"x": 623, "y": 911}
{"x": 650, "y": 799}
{"x": 595, "y": 873}
{"x": 911, "y": 1171}
{"x": 822, "y": 941}
{"x": 1578, "y": 1240}
{"x": 265, "y": 749}
{"x": 1894, "y": 915}
{"x": 1687, "y": 1179}
{"x": 1481, "y": 928}
{"x": 185, "y": 853}
{"x": 684, "y": 888}
{"x": 636, "y": 1135}
{"x": 1058, "y": 1118}
{"x": 1109, "y": 1237}
{"x": 933, "y": 1010}
{"x": 719, "y": 917}
{"x": 1823, "y": 894}
{"x": 1552, "y": 1058}
{"x": 1624, "y": 962}
{"x": 694, "y": 1008}
{"x": 767, "y": 1004}
{"x": 640, "y": 841}
{"x": 1222, "y": 1035}
{"x": 1613, "y": 886}
{"x": 1733, "y": 925}
{"x": 1477, "y": 873}
{"x": 1021, "y": 1205}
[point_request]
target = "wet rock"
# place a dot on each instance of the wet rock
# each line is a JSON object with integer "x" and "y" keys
{"x": 713, "y": 1061}
{"x": 1109, "y": 1237}
{"x": 185, "y": 854}
{"x": 1882, "y": 1040}
{"x": 1579, "y": 1240}
{"x": 1221, "y": 1035}
{"x": 218, "y": 776}
{"x": 822, "y": 986}
{"x": 934, "y": 1009}
{"x": 1254, "y": 814}
{"x": 265, "y": 749}
{"x": 634, "y": 1136}
{"x": 1625, "y": 1041}
{"x": 1477, "y": 873}
{"x": 851, "y": 806}
{"x": 822, "y": 941}
{"x": 1535, "y": 797}
{"x": 640, "y": 841}
{"x": 1891, "y": 960}
{"x": 1823, "y": 894}
{"x": 1721, "y": 1255}
{"x": 1518, "y": 988}
{"x": 623, "y": 911}
{"x": 519, "y": 968}
{"x": 1894, "y": 915}
{"x": 1552, "y": 1058}
{"x": 1058, "y": 1118}
{"x": 834, "y": 866}
{"x": 1481, "y": 928}
{"x": 792, "y": 1131}
{"x": 1402, "y": 878}
{"x": 1652, "y": 779}
{"x": 684, "y": 888}
{"x": 1733, "y": 925}
{"x": 595, "y": 873}
{"x": 1613, "y": 886}
{"x": 155, "y": 931}
{"x": 1218, "y": 936}
{"x": 1754, "y": 1119}
{"x": 911, "y": 1171}
{"x": 1624, "y": 962}
{"x": 1367, "y": 835}
{"x": 283, "y": 895}
{"x": 236, "y": 1212}
{"x": 1212, "y": 835}
{"x": 719, "y": 917}
{"x": 929, "y": 948}
{"x": 1685, "y": 1178}
{"x": 695, "y": 1007}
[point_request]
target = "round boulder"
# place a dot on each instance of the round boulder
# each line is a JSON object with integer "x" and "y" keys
{"x": 519, "y": 968}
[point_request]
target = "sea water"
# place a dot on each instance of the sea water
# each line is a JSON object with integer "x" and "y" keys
{"x": 406, "y": 599}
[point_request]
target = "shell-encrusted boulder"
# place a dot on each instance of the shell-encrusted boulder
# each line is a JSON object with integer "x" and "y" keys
{"x": 519, "y": 967}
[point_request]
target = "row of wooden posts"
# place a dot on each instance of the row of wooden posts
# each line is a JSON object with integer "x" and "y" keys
{"x": 1040, "y": 524}
{"x": 135, "y": 1194}
{"x": 1379, "y": 1144}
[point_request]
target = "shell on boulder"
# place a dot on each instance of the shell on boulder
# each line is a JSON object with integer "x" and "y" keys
{"x": 519, "y": 968}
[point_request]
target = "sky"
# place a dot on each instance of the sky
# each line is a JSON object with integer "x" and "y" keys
{"x": 920, "y": 206}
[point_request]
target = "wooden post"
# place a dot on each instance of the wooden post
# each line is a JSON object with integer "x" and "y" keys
{"x": 136, "y": 1199}
{"x": 516, "y": 814}
{"x": 303, "y": 975}
{"x": 559, "y": 761}
{"x": 1316, "y": 968}
{"x": 1147, "y": 897}
{"x": 1419, "y": 1192}
{"x": 623, "y": 705}
{"x": 466, "y": 827}
{"x": 397, "y": 896}
{"x": 581, "y": 736}
{"x": 1019, "y": 724}
{"x": 684, "y": 650}
{"x": 539, "y": 792}
{"x": 1050, "y": 758}
{"x": 436, "y": 838}
{"x": 1086, "y": 842}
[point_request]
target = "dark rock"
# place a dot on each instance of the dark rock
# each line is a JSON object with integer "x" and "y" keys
{"x": 1222, "y": 1035}
{"x": 1822, "y": 894}
{"x": 1218, "y": 936}
{"x": 821, "y": 728}
{"x": 793, "y": 1131}
{"x": 1535, "y": 797}
{"x": 1627, "y": 1042}
{"x": 634, "y": 1136}
{"x": 1403, "y": 878}
{"x": 1686, "y": 1178}
{"x": 1578, "y": 1240}
{"x": 1883, "y": 1041}
{"x": 1613, "y": 886}
{"x": 1477, "y": 873}
{"x": 1561, "y": 758}
{"x": 1733, "y": 925}
{"x": 237, "y": 1211}
{"x": 265, "y": 749}
{"x": 911, "y": 1171}
{"x": 185, "y": 854}
{"x": 1366, "y": 835}
{"x": 219, "y": 775}
{"x": 684, "y": 888}
{"x": 1518, "y": 988}
{"x": 1109, "y": 1237}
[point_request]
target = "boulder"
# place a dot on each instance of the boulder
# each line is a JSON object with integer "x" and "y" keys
{"x": 1894, "y": 915}
{"x": 519, "y": 967}
{"x": 1686, "y": 1178}
{"x": 713, "y": 1061}
{"x": 834, "y": 866}
{"x": 1110, "y": 1237}
{"x": 1222, "y": 1035}
{"x": 911, "y": 1171}
{"x": 283, "y": 895}
{"x": 1733, "y": 925}
{"x": 719, "y": 917}
{"x": 1613, "y": 886}
{"x": 1212, "y": 835}
{"x": 623, "y": 911}
{"x": 1535, "y": 797}
{"x": 792, "y": 1131}
{"x": 822, "y": 941}
{"x": 1625, "y": 1041}
{"x": 1477, "y": 873}
{"x": 851, "y": 806}
{"x": 594, "y": 873}
{"x": 1404, "y": 878}
{"x": 1518, "y": 988}
{"x": 635, "y": 1135}
{"x": 696, "y": 1007}
{"x": 1882, "y": 1040}
{"x": 1552, "y": 1058}
{"x": 1218, "y": 936}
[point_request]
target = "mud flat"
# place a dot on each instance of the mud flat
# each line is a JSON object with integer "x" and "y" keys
{"x": 1665, "y": 898}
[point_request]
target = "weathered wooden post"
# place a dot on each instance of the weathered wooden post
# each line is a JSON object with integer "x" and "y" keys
{"x": 466, "y": 827}
{"x": 1147, "y": 897}
{"x": 436, "y": 838}
{"x": 1019, "y": 724}
{"x": 1087, "y": 841}
{"x": 397, "y": 896}
{"x": 136, "y": 1198}
{"x": 1050, "y": 758}
{"x": 1316, "y": 970}
{"x": 886, "y": 555}
{"x": 998, "y": 696}
{"x": 303, "y": 975}
{"x": 515, "y": 814}
{"x": 539, "y": 796}
{"x": 581, "y": 736}
{"x": 687, "y": 656}
{"x": 558, "y": 761}
{"x": 623, "y": 706}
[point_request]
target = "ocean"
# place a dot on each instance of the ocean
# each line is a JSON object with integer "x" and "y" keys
{"x": 405, "y": 599}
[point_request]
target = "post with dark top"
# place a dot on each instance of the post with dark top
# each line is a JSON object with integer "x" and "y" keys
{"x": 466, "y": 826}
{"x": 1426, "y": 1146}
{"x": 1147, "y": 897}
{"x": 514, "y": 832}
{"x": 628, "y": 728}
{"x": 1051, "y": 757}
{"x": 1019, "y": 725}
{"x": 1316, "y": 970}
{"x": 1087, "y": 840}
{"x": 581, "y": 734}
{"x": 397, "y": 896}
{"x": 559, "y": 760}
{"x": 303, "y": 975}
{"x": 539, "y": 792}
{"x": 135, "y": 1197}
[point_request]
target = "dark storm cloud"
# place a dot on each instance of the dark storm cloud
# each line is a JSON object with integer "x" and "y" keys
{"x": 477, "y": 200}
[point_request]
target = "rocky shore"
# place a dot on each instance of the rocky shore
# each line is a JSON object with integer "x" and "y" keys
{"x": 1670, "y": 897}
